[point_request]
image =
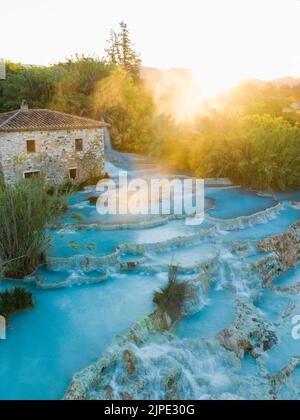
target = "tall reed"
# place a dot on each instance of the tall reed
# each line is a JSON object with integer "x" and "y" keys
{"x": 27, "y": 209}
{"x": 171, "y": 298}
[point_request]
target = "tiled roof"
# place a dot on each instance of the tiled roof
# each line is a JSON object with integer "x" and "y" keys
{"x": 6, "y": 116}
{"x": 44, "y": 120}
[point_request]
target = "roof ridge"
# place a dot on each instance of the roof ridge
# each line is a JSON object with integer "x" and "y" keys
{"x": 70, "y": 115}
{"x": 39, "y": 119}
{"x": 15, "y": 113}
{"x": 60, "y": 113}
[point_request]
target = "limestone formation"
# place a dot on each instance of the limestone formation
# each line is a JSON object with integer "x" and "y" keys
{"x": 285, "y": 246}
{"x": 249, "y": 334}
{"x": 292, "y": 290}
{"x": 130, "y": 362}
{"x": 244, "y": 222}
{"x": 277, "y": 381}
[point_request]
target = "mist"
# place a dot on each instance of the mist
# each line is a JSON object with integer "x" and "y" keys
{"x": 176, "y": 92}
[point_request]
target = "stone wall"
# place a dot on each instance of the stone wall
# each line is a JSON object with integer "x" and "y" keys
{"x": 55, "y": 154}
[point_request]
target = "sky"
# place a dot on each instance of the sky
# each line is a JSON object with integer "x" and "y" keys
{"x": 223, "y": 41}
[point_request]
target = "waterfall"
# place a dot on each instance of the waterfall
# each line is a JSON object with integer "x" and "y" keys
{"x": 110, "y": 156}
{"x": 107, "y": 141}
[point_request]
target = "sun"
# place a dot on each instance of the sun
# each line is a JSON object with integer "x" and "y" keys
{"x": 213, "y": 78}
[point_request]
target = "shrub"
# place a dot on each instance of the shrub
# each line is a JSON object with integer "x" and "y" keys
{"x": 26, "y": 211}
{"x": 60, "y": 194}
{"x": 255, "y": 151}
{"x": 16, "y": 300}
{"x": 78, "y": 217}
{"x": 92, "y": 182}
{"x": 171, "y": 298}
{"x": 93, "y": 201}
{"x": 65, "y": 188}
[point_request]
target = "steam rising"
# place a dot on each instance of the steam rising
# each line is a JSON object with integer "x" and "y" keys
{"x": 176, "y": 92}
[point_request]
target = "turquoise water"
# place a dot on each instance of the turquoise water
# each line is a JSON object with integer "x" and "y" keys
{"x": 66, "y": 331}
{"x": 68, "y": 242}
{"x": 235, "y": 202}
{"x": 208, "y": 323}
{"x": 273, "y": 304}
{"x": 70, "y": 328}
{"x": 272, "y": 227}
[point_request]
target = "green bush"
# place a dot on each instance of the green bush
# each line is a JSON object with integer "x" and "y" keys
{"x": 255, "y": 151}
{"x": 170, "y": 299}
{"x": 16, "y": 300}
{"x": 27, "y": 209}
{"x": 64, "y": 188}
{"x": 93, "y": 200}
{"x": 92, "y": 182}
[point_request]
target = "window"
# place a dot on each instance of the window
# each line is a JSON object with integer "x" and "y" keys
{"x": 28, "y": 175}
{"x": 73, "y": 173}
{"x": 31, "y": 148}
{"x": 79, "y": 145}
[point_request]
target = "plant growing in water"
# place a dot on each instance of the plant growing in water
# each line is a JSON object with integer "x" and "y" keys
{"x": 18, "y": 299}
{"x": 170, "y": 299}
{"x": 27, "y": 209}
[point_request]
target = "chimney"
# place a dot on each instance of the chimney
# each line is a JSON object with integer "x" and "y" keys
{"x": 24, "y": 106}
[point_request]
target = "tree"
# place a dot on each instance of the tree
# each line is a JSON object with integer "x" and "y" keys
{"x": 66, "y": 87}
{"x": 113, "y": 51}
{"x": 76, "y": 81}
{"x": 35, "y": 84}
{"x": 256, "y": 151}
{"x": 121, "y": 53}
{"x": 128, "y": 108}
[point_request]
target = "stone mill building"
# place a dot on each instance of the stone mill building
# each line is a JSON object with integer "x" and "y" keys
{"x": 58, "y": 145}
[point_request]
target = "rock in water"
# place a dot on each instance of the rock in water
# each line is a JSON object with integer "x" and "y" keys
{"x": 286, "y": 247}
{"x": 130, "y": 362}
{"x": 248, "y": 334}
{"x": 277, "y": 381}
{"x": 129, "y": 266}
